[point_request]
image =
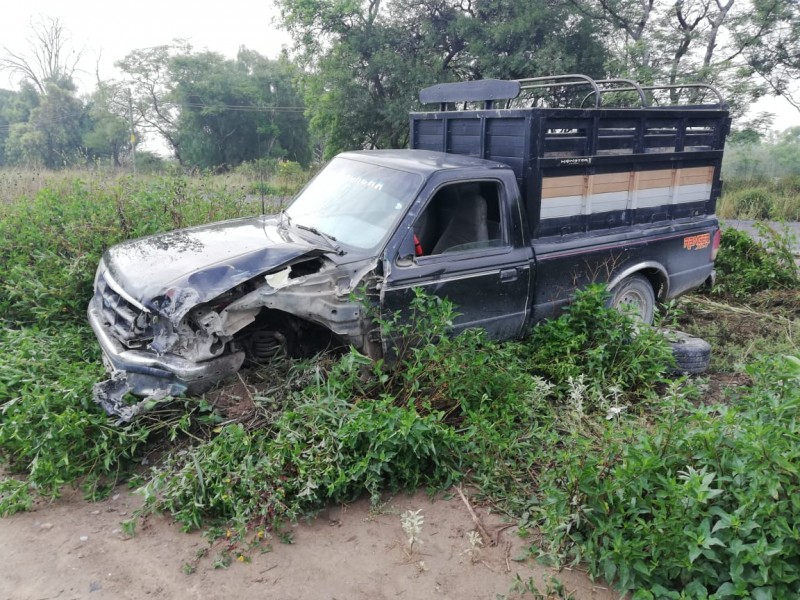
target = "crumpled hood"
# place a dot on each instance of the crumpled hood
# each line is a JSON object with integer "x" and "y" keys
{"x": 194, "y": 265}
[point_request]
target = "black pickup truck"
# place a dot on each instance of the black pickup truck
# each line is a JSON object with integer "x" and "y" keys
{"x": 503, "y": 206}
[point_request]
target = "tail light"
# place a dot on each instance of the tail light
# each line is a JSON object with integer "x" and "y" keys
{"x": 715, "y": 244}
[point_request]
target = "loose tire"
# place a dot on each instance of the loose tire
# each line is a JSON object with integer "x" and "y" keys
{"x": 634, "y": 295}
{"x": 692, "y": 354}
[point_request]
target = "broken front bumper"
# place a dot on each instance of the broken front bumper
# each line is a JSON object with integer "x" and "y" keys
{"x": 145, "y": 373}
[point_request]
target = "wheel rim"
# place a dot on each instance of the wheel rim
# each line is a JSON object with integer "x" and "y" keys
{"x": 634, "y": 302}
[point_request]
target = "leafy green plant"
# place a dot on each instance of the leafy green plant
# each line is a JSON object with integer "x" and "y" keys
{"x": 666, "y": 497}
{"x": 702, "y": 504}
{"x": 323, "y": 449}
{"x": 598, "y": 348}
{"x": 50, "y": 430}
{"x": 745, "y": 265}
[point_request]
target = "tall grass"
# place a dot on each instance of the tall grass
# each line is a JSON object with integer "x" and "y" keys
{"x": 762, "y": 181}
{"x": 761, "y": 198}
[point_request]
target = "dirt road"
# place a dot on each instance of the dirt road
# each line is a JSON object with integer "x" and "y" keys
{"x": 75, "y": 549}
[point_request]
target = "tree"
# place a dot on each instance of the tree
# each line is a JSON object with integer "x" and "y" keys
{"x": 235, "y": 111}
{"x": 745, "y": 47}
{"x": 366, "y": 62}
{"x": 15, "y": 109}
{"x": 6, "y": 97}
{"x": 48, "y": 60}
{"x": 774, "y": 53}
{"x": 508, "y": 39}
{"x": 45, "y": 119}
{"x": 149, "y": 79}
{"x": 365, "y": 69}
{"x": 51, "y": 137}
{"x": 216, "y": 112}
{"x": 108, "y": 134}
{"x": 752, "y": 131}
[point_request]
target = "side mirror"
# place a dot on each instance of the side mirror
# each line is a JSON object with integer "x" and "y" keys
{"x": 405, "y": 254}
{"x": 405, "y": 261}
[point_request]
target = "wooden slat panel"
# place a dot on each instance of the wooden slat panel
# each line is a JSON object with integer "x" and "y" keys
{"x": 695, "y": 175}
{"x": 655, "y": 179}
{"x": 611, "y": 182}
{"x": 571, "y": 185}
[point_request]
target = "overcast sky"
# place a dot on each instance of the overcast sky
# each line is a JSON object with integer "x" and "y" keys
{"x": 109, "y": 30}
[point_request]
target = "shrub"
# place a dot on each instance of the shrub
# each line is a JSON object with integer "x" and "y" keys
{"x": 745, "y": 265}
{"x": 703, "y": 504}
{"x": 49, "y": 428}
{"x": 344, "y": 435}
{"x": 322, "y": 449}
{"x": 752, "y": 203}
{"x": 599, "y": 346}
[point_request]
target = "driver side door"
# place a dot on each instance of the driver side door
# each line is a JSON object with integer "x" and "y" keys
{"x": 461, "y": 246}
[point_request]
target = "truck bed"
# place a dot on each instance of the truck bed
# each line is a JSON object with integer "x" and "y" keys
{"x": 584, "y": 170}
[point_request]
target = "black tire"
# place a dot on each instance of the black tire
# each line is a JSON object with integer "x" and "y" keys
{"x": 692, "y": 354}
{"x": 634, "y": 294}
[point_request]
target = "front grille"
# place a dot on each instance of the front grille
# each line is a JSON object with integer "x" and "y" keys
{"x": 130, "y": 324}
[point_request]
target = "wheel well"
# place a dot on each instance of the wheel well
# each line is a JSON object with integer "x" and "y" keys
{"x": 303, "y": 338}
{"x": 653, "y": 272}
{"x": 657, "y": 280}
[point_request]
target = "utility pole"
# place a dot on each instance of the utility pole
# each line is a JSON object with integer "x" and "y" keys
{"x": 133, "y": 132}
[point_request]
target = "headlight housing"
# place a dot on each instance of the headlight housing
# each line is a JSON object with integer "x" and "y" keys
{"x": 101, "y": 269}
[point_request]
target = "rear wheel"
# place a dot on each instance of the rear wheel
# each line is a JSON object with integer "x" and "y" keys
{"x": 634, "y": 295}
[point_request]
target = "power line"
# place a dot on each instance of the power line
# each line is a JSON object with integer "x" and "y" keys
{"x": 41, "y": 121}
{"x": 238, "y": 107}
{"x": 227, "y": 107}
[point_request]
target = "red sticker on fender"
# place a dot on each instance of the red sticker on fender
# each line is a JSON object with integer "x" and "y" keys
{"x": 697, "y": 242}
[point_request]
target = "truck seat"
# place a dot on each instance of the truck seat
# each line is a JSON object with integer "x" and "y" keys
{"x": 465, "y": 221}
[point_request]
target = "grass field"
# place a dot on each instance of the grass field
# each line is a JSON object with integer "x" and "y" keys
{"x": 661, "y": 484}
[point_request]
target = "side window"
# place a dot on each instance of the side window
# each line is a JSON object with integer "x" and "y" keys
{"x": 460, "y": 217}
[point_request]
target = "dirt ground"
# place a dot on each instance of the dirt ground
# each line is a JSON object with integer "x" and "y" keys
{"x": 75, "y": 549}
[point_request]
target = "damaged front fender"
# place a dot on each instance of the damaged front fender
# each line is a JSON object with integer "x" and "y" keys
{"x": 148, "y": 374}
{"x": 110, "y": 394}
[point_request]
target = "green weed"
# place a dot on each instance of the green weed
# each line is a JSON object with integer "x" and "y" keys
{"x": 575, "y": 430}
{"x": 553, "y": 589}
{"x": 746, "y": 266}
{"x": 701, "y": 504}
{"x": 50, "y": 244}
{"x": 595, "y": 350}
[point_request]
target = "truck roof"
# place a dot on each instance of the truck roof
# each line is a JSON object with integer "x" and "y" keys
{"x": 423, "y": 162}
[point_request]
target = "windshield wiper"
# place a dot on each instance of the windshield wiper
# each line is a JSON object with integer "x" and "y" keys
{"x": 327, "y": 237}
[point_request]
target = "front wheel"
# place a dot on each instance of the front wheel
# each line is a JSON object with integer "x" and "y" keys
{"x": 634, "y": 295}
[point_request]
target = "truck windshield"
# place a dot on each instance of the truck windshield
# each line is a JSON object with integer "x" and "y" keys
{"x": 355, "y": 203}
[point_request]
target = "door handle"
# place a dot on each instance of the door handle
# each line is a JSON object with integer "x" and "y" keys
{"x": 509, "y": 275}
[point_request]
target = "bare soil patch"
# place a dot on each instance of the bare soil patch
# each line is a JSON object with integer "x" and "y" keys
{"x": 75, "y": 549}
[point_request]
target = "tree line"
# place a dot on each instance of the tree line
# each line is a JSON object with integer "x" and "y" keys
{"x": 357, "y": 66}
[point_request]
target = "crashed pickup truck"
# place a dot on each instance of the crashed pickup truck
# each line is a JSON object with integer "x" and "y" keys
{"x": 502, "y": 205}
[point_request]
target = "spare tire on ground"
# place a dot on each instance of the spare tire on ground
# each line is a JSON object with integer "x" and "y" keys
{"x": 692, "y": 354}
